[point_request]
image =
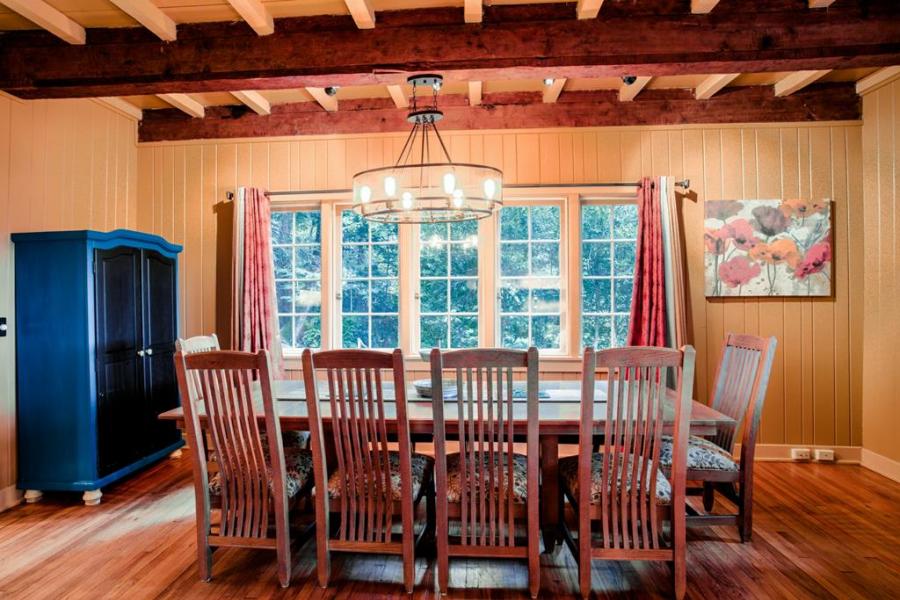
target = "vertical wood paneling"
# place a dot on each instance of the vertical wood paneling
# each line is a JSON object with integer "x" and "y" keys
{"x": 814, "y": 396}
{"x": 63, "y": 165}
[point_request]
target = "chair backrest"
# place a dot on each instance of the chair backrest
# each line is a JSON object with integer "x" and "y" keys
{"x": 485, "y": 411}
{"x": 198, "y": 343}
{"x": 359, "y": 433}
{"x": 638, "y": 410}
{"x": 741, "y": 380}
{"x": 224, "y": 387}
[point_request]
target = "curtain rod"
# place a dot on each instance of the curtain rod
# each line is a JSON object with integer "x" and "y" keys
{"x": 684, "y": 184}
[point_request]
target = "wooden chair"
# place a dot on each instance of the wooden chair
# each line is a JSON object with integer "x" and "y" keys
{"x": 621, "y": 491}
{"x": 364, "y": 484}
{"x": 256, "y": 479}
{"x": 740, "y": 390}
{"x": 486, "y": 487}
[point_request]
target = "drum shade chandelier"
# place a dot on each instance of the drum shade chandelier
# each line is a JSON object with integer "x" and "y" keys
{"x": 418, "y": 190}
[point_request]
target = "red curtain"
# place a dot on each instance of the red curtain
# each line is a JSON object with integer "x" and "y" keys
{"x": 258, "y": 320}
{"x": 647, "y": 326}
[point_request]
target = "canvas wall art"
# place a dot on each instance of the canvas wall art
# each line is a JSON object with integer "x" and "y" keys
{"x": 768, "y": 248}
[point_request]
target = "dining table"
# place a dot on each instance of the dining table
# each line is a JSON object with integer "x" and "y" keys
{"x": 559, "y": 417}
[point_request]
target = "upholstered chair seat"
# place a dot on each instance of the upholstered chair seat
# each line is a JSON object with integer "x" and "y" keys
{"x": 420, "y": 466}
{"x": 568, "y": 472}
{"x": 702, "y": 455}
{"x": 501, "y": 464}
{"x": 298, "y": 468}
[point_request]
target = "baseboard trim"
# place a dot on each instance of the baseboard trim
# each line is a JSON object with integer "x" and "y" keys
{"x": 9, "y": 497}
{"x": 845, "y": 455}
{"x": 882, "y": 465}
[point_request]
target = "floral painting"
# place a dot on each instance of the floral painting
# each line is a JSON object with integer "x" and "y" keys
{"x": 768, "y": 248}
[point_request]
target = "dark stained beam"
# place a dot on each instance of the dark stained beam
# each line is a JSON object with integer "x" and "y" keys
{"x": 824, "y": 102}
{"x": 528, "y": 41}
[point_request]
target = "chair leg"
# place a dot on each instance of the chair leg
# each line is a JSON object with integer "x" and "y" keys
{"x": 534, "y": 557}
{"x": 709, "y": 495}
{"x": 409, "y": 557}
{"x": 204, "y": 559}
{"x": 431, "y": 512}
{"x": 584, "y": 556}
{"x": 284, "y": 563}
{"x": 745, "y": 514}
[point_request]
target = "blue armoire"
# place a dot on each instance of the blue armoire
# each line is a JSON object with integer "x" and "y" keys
{"x": 96, "y": 322}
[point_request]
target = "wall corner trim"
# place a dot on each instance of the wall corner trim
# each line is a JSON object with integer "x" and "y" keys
{"x": 9, "y": 497}
{"x": 882, "y": 465}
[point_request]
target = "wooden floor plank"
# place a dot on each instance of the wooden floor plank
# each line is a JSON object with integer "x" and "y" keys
{"x": 821, "y": 532}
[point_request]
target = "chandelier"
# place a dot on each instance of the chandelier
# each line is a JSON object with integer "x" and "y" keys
{"x": 417, "y": 189}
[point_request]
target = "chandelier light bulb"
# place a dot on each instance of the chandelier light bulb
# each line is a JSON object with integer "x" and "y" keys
{"x": 457, "y": 198}
{"x": 390, "y": 186}
{"x": 490, "y": 188}
{"x": 365, "y": 194}
{"x": 406, "y": 200}
{"x": 449, "y": 183}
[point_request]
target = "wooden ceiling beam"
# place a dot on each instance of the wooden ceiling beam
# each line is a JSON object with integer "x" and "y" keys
{"x": 43, "y": 15}
{"x": 398, "y": 96}
{"x": 629, "y": 91}
{"x": 475, "y": 90}
{"x": 253, "y": 100}
{"x": 553, "y": 90}
{"x": 820, "y": 3}
{"x": 876, "y": 79}
{"x": 473, "y": 11}
{"x": 185, "y": 104}
{"x": 517, "y": 42}
{"x": 150, "y": 16}
{"x": 329, "y": 103}
{"x": 362, "y": 12}
{"x": 255, "y": 14}
{"x": 702, "y": 7}
{"x": 122, "y": 106}
{"x": 710, "y": 86}
{"x": 797, "y": 81}
{"x": 824, "y": 102}
{"x": 588, "y": 9}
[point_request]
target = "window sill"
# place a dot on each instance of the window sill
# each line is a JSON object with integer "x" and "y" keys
{"x": 556, "y": 363}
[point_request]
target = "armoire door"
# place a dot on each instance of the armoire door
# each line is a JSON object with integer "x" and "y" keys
{"x": 160, "y": 332}
{"x": 120, "y": 394}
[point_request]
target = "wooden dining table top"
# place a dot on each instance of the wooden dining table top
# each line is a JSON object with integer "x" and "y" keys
{"x": 559, "y": 409}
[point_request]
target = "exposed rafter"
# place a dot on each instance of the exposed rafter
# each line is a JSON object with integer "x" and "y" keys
{"x": 254, "y": 100}
{"x": 256, "y": 15}
{"x": 553, "y": 90}
{"x": 398, "y": 96}
{"x": 329, "y": 103}
{"x": 148, "y": 14}
{"x": 185, "y": 104}
{"x": 712, "y": 84}
{"x": 628, "y": 92}
{"x": 474, "y": 93}
{"x": 820, "y": 3}
{"x": 122, "y": 106}
{"x": 588, "y": 9}
{"x": 701, "y": 7}
{"x": 797, "y": 81}
{"x": 473, "y": 11}
{"x": 876, "y": 79}
{"x": 42, "y": 14}
{"x": 362, "y": 12}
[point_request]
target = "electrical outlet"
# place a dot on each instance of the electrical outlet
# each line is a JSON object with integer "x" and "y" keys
{"x": 800, "y": 454}
{"x": 824, "y": 455}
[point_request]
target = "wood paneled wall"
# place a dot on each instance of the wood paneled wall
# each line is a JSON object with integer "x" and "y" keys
{"x": 64, "y": 164}
{"x": 814, "y": 396}
{"x": 881, "y": 350}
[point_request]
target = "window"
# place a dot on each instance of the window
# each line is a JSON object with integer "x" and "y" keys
{"x": 448, "y": 285}
{"x": 608, "y": 233}
{"x": 370, "y": 297}
{"x": 529, "y": 281}
{"x": 297, "y": 258}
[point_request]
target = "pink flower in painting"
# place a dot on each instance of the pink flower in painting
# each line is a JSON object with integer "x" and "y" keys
{"x": 742, "y": 234}
{"x": 815, "y": 260}
{"x": 722, "y": 209}
{"x": 738, "y": 271}
{"x": 717, "y": 240}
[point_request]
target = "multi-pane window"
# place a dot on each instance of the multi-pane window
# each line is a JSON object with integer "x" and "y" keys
{"x": 529, "y": 282}
{"x": 448, "y": 285}
{"x": 608, "y": 233}
{"x": 297, "y": 257}
{"x": 370, "y": 269}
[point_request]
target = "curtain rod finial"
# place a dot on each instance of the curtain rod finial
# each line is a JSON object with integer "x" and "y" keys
{"x": 683, "y": 184}
{"x": 229, "y": 195}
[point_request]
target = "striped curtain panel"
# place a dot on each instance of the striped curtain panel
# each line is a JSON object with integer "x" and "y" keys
{"x": 647, "y": 326}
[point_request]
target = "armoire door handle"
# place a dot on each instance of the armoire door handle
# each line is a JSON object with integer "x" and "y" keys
{"x": 140, "y": 353}
{"x": 149, "y": 351}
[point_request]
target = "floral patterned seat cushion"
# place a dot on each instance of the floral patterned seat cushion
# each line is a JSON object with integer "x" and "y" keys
{"x": 298, "y": 468}
{"x": 420, "y": 466}
{"x": 519, "y": 472}
{"x": 289, "y": 439}
{"x": 702, "y": 455}
{"x": 568, "y": 471}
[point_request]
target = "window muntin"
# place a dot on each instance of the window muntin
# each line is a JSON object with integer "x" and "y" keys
{"x": 608, "y": 245}
{"x": 529, "y": 280}
{"x": 370, "y": 283}
{"x": 448, "y": 285}
{"x": 297, "y": 259}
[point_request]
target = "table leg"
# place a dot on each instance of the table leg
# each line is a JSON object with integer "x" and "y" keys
{"x": 550, "y": 491}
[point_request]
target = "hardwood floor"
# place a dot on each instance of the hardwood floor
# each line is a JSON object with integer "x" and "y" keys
{"x": 821, "y": 532}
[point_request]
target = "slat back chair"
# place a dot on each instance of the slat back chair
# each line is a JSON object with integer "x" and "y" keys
{"x": 369, "y": 484}
{"x": 481, "y": 488}
{"x": 623, "y": 487}
{"x": 193, "y": 345}
{"x": 742, "y": 379}
{"x": 223, "y": 383}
